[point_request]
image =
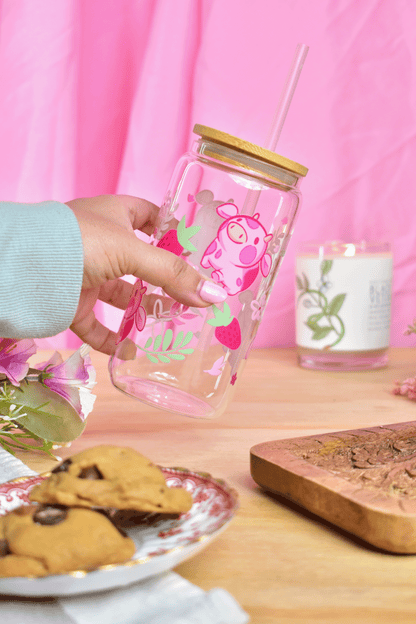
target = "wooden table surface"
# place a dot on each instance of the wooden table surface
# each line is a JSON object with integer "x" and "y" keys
{"x": 282, "y": 564}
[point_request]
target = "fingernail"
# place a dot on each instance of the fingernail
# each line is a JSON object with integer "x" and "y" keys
{"x": 210, "y": 292}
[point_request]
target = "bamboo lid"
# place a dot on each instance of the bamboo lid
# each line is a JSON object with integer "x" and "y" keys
{"x": 250, "y": 149}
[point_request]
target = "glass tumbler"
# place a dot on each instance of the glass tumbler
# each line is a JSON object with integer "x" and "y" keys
{"x": 343, "y": 304}
{"x": 229, "y": 212}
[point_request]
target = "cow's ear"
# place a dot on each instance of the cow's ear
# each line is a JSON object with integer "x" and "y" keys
{"x": 227, "y": 210}
{"x": 268, "y": 237}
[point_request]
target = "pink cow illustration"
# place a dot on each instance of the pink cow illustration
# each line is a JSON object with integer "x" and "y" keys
{"x": 238, "y": 251}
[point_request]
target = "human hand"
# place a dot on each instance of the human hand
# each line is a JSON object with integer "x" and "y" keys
{"x": 112, "y": 250}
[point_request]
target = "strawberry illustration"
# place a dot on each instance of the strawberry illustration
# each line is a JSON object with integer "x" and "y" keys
{"x": 227, "y": 327}
{"x": 176, "y": 241}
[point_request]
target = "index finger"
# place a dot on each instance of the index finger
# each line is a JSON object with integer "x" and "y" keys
{"x": 143, "y": 214}
{"x": 125, "y": 210}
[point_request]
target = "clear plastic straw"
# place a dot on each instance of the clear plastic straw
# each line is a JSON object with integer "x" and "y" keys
{"x": 286, "y": 96}
{"x": 280, "y": 115}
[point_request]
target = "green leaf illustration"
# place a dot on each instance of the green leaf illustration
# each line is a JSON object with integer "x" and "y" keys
{"x": 336, "y": 304}
{"x": 321, "y": 332}
{"x": 328, "y": 310}
{"x": 178, "y": 340}
{"x": 167, "y": 339}
{"x": 185, "y": 234}
{"x": 326, "y": 266}
{"x": 188, "y": 338}
{"x": 168, "y": 351}
{"x": 299, "y": 283}
{"x": 163, "y": 358}
{"x": 314, "y": 319}
{"x": 152, "y": 358}
{"x": 157, "y": 342}
{"x": 222, "y": 318}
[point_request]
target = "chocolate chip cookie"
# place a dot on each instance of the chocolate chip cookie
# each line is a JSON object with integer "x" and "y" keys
{"x": 38, "y": 540}
{"x": 114, "y": 478}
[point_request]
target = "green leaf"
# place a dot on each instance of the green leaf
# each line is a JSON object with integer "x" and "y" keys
{"x": 185, "y": 233}
{"x": 167, "y": 339}
{"x": 148, "y": 343}
{"x": 305, "y": 282}
{"x": 214, "y": 322}
{"x": 187, "y": 351}
{"x": 187, "y": 338}
{"x": 326, "y": 266}
{"x": 163, "y": 358}
{"x": 336, "y": 304}
{"x": 152, "y": 358}
{"x": 321, "y": 332}
{"x": 24, "y": 440}
{"x": 48, "y": 415}
{"x": 222, "y": 317}
{"x": 178, "y": 340}
{"x": 313, "y": 320}
{"x": 157, "y": 342}
{"x": 177, "y": 356}
{"x": 192, "y": 230}
{"x": 299, "y": 282}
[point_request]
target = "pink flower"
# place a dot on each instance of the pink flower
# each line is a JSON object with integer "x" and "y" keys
{"x": 134, "y": 314}
{"x": 257, "y": 307}
{"x": 13, "y": 358}
{"x": 406, "y": 388}
{"x": 176, "y": 312}
{"x": 72, "y": 379}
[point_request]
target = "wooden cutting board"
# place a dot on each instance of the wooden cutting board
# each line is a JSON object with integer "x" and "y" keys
{"x": 363, "y": 481}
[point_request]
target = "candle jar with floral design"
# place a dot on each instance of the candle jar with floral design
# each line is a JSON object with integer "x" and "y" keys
{"x": 229, "y": 212}
{"x": 343, "y": 304}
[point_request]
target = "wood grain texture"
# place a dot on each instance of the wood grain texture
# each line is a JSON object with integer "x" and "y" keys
{"x": 363, "y": 480}
{"x": 283, "y": 564}
{"x": 249, "y": 148}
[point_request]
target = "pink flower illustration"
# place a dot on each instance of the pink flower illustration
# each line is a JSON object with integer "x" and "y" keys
{"x": 257, "y": 307}
{"x": 13, "y": 358}
{"x": 72, "y": 379}
{"x": 176, "y": 310}
{"x": 134, "y": 314}
{"x": 174, "y": 314}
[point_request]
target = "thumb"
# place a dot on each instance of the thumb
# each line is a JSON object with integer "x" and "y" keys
{"x": 178, "y": 279}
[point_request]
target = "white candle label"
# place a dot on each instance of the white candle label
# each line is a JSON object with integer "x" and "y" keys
{"x": 343, "y": 304}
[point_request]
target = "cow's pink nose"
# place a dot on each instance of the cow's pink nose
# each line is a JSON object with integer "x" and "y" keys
{"x": 237, "y": 233}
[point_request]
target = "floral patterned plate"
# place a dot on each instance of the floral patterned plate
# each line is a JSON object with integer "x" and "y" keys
{"x": 160, "y": 546}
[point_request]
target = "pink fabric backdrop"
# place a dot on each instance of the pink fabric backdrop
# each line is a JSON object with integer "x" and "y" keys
{"x": 98, "y": 96}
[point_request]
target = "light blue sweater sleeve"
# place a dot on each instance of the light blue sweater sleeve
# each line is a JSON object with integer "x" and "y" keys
{"x": 41, "y": 269}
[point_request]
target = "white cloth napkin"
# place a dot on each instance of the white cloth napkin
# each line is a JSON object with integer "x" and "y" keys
{"x": 12, "y": 468}
{"x": 164, "y": 599}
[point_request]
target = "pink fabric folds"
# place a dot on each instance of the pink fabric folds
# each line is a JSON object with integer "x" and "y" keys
{"x": 99, "y": 96}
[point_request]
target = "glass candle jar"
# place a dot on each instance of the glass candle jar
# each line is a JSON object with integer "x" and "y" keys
{"x": 343, "y": 304}
{"x": 229, "y": 211}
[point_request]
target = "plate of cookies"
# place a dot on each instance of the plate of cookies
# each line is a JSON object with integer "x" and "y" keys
{"x": 104, "y": 518}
